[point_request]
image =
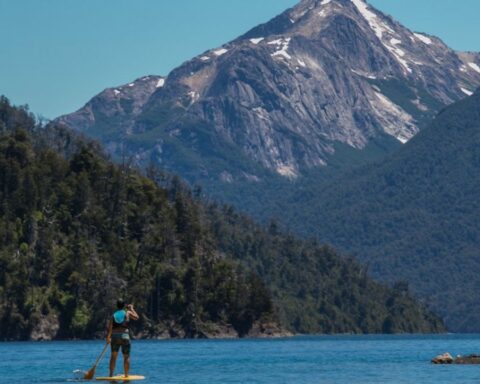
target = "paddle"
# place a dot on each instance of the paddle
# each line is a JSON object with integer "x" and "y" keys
{"x": 89, "y": 375}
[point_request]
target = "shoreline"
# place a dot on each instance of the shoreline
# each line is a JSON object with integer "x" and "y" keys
{"x": 286, "y": 335}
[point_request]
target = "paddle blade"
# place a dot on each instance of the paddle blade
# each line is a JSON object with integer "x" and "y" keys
{"x": 89, "y": 375}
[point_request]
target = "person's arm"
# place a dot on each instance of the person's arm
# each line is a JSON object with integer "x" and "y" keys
{"x": 131, "y": 313}
{"x": 109, "y": 331}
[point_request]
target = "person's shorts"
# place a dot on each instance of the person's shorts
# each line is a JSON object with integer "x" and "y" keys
{"x": 122, "y": 340}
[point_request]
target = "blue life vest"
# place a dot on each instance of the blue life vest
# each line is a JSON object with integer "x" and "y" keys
{"x": 120, "y": 319}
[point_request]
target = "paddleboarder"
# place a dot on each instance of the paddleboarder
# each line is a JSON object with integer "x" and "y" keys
{"x": 118, "y": 334}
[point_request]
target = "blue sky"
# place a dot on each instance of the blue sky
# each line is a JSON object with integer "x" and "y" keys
{"x": 56, "y": 54}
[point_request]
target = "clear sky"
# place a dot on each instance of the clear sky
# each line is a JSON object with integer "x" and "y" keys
{"x": 56, "y": 54}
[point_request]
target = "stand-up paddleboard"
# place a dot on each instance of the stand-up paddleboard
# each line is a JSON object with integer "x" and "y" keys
{"x": 121, "y": 378}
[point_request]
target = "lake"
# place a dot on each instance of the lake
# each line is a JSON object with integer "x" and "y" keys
{"x": 300, "y": 360}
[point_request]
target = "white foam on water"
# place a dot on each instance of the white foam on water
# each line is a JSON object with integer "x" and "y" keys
{"x": 78, "y": 374}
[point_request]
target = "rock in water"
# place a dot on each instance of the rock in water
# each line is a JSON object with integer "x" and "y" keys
{"x": 446, "y": 358}
{"x": 470, "y": 359}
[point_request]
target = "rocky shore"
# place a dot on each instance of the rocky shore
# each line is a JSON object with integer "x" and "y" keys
{"x": 48, "y": 327}
{"x": 214, "y": 331}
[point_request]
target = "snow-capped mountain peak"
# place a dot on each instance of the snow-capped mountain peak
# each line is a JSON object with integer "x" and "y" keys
{"x": 288, "y": 92}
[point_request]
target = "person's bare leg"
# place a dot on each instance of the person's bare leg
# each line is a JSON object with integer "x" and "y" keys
{"x": 113, "y": 361}
{"x": 126, "y": 364}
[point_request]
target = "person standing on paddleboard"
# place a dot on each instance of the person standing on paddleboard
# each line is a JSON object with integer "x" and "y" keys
{"x": 118, "y": 335}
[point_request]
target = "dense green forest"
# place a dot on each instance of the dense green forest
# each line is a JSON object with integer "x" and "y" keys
{"x": 77, "y": 231}
{"x": 315, "y": 288}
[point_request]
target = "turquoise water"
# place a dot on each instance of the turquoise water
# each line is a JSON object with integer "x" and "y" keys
{"x": 299, "y": 360}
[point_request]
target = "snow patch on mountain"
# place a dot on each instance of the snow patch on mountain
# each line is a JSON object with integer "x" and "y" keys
{"x": 194, "y": 96}
{"x": 160, "y": 83}
{"x": 257, "y": 40}
{"x": 466, "y": 91}
{"x": 287, "y": 171}
{"x": 275, "y": 42}
{"x": 474, "y": 66}
{"x": 282, "y": 46}
{"x": 378, "y": 27}
{"x": 220, "y": 52}
{"x": 424, "y": 39}
{"x": 381, "y": 29}
{"x": 398, "y": 53}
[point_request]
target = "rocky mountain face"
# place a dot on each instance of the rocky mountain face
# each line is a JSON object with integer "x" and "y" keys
{"x": 116, "y": 108}
{"x": 282, "y": 97}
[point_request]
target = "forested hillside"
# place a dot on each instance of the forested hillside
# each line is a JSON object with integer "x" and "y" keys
{"x": 316, "y": 289}
{"x": 77, "y": 231}
{"x": 415, "y": 216}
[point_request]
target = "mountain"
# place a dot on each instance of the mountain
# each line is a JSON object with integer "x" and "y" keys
{"x": 413, "y": 216}
{"x": 320, "y": 81}
{"x": 77, "y": 232}
{"x": 272, "y": 120}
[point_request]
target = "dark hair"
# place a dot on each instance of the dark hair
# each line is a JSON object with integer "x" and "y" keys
{"x": 120, "y": 304}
